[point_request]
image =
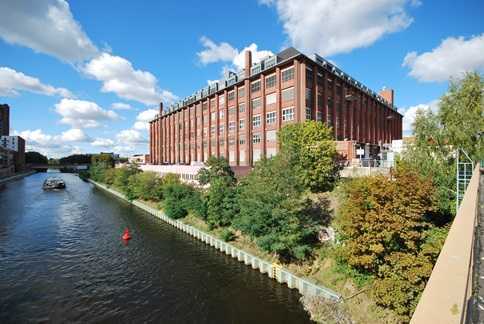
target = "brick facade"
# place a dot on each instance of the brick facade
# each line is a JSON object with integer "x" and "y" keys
{"x": 241, "y": 120}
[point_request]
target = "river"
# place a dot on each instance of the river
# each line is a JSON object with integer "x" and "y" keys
{"x": 62, "y": 260}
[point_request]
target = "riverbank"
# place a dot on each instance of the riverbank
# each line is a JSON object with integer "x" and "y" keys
{"x": 272, "y": 270}
{"x": 17, "y": 176}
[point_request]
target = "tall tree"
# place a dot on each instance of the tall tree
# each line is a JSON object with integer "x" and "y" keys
{"x": 311, "y": 152}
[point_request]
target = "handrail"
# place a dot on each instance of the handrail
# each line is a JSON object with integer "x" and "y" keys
{"x": 449, "y": 288}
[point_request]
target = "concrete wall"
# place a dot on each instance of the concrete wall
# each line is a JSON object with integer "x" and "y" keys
{"x": 449, "y": 288}
{"x": 272, "y": 270}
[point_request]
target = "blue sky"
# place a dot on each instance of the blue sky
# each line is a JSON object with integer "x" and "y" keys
{"x": 86, "y": 76}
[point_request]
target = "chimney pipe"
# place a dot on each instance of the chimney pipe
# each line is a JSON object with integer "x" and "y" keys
{"x": 248, "y": 63}
{"x": 161, "y": 108}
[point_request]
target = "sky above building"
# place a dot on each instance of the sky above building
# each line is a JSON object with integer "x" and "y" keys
{"x": 87, "y": 76}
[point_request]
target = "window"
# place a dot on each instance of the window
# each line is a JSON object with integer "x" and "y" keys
{"x": 308, "y": 94}
{"x": 241, "y": 124}
{"x": 242, "y": 141}
{"x": 271, "y": 117}
{"x": 287, "y": 74}
{"x": 214, "y": 115}
{"x": 212, "y": 129}
{"x": 288, "y": 94}
{"x": 231, "y": 126}
{"x": 241, "y": 107}
{"x": 256, "y": 121}
{"x": 308, "y": 113}
{"x": 255, "y": 86}
{"x": 221, "y": 114}
{"x": 231, "y": 141}
{"x": 288, "y": 114}
{"x": 255, "y": 103}
{"x": 319, "y": 115}
{"x": 221, "y": 100}
{"x": 205, "y": 106}
{"x": 309, "y": 78}
{"x": 255, "y": 138}
{"x": 271, "y": 99}
{"x": 271, "y": 136}
{"x": 221, "y": 129}
{"x": 241, "y": 92}
{"x": 212, "y": 103}
{"x": 222, "y": 143}
{"x": 271, "y": 81}
{"x": 232, "y": 111}
{"x": 231, "y": 95}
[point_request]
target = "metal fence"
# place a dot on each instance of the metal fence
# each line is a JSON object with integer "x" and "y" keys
{"x": 275, "y": 271}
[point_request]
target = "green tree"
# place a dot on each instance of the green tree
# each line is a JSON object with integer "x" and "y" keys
{"x": 146, "y": 185}
{"x": 221, "y": 195}
{"x": 311, "y": 152}
{"x": 272, "y": 211}
{"x": 121, "y": 179}
{"x": 177, "y": 199}
{"x": 35, "y": 157}
{"x": 462, "y": 114}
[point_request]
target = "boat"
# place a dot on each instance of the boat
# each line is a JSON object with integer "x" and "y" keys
{"x": 53, "y": 184}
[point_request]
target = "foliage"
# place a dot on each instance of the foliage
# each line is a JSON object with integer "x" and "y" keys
{"x": 271, "y": 210}
{"x": 221, "y": 197}
{"x": 311, "y": 152}
{"x": 177, "y": 197}
{"x": 146, "y": 186}
{"x": 463, "y": 104}
{"x": 35, "y": 157}
{"x": 83, "y": 175}
{"x": 215, "y": 168}
{"x": 76, "y": 159}
{"x": 227, "y": 235}
{"x": 104, "y": 159}
{"x": 388, "y": 229}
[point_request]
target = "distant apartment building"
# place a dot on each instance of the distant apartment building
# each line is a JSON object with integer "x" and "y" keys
{"x": 138, "y": 158}
{"x": 7, "y": 165}
{"x": 15, "y": 144}
{"x": 4, "y": 120}
{"x": 238, "y": 118}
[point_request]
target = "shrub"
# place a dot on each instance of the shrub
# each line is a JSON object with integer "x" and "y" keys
{"x": 177, "y": 199}
{"x": 227, "y": 235}
{"x": 146, "y": 186}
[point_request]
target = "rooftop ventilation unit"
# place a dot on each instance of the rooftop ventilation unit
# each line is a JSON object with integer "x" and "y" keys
{"x": 256, "y": 68}
{"x": 270, "y": 62}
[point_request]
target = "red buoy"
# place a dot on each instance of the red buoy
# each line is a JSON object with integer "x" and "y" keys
{"x": 126, "y": 235}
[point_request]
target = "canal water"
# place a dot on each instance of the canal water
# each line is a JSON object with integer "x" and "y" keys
{"x": 62, "y": 260}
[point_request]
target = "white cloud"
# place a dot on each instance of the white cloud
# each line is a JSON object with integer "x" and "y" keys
{"x": 452, "y": 58}
{"x": 215, "y": 52}
{"x": 224, "y": 52}
{"x": 74, "y": 135}
{"x": 143, "y": 118}
{"x": 410, "y": 113}
{"x": 130, "y": 136}
{"x": 119, "y": 76}
{"x": 11, "y": 82}
{"x": 121, "y": 106}
{"x": 102, "y": 142}
{"x": 339, "y": 26}
{"x": 53, "y": 145}
{"x": 46, "y": 26}
{"x": 83, "y": 114}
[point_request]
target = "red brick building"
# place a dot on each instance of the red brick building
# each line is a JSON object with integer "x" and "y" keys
{"x": 238, "y": 118}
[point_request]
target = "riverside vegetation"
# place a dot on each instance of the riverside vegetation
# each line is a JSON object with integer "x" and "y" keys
{"x": 389, "y": 230}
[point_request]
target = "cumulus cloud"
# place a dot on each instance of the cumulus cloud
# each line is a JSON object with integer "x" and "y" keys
{"x": 11, "y": 82}
{"x": 215, "y": 52}
{"x": 340, "y": 26}
{"x": 410, "y": 113}
{"x": 131, "y": 136}
{"x": 46, "y": 26}
{"x": 102, "y": 142}
{"x": 120, "y": 77}
{"x": 121, "y": 106}
{"x": 53, "y": 145}
{"x": 143, "y": 118}
{"x": 224, "y": 52}
{"x": 83, "y": 114}
{"x": 452, "y": 58}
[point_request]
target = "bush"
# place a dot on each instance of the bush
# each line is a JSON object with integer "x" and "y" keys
{"x": 177, "y": 199}
{"x": 146, "y": 185}
{"x": 227, "y": 235}
{"x": 83, "y": 175}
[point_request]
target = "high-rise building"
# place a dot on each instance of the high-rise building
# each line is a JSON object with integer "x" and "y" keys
{"x": 15, "y": 144}
{"x": 238, "y": 117}
{"x": 4, "y": 120}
